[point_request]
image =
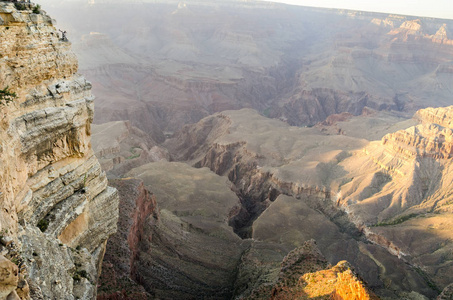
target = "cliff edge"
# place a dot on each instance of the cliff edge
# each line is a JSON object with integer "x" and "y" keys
{"x": 56, "y": 210}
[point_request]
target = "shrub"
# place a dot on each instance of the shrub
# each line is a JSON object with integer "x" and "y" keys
{"x": 20, "y": 6}
{"x": 43, "y": 224}
{"x": 37, "y": 9}
{"x": 6, "y": 96}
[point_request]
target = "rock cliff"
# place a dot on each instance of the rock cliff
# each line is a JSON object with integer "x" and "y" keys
{"x": 401, "y": 187}
{"x": 189, "y": 251}
{"x": 120, "y": 147}
{"x": 55, "y": 202}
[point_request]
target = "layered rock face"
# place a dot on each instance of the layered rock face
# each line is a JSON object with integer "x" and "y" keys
{"x": 55, "y": 201}
{"x": 176, "y": 244}
{"x": 120, "y": 147}
{"x": 138, "y": 210}
{"x": 401, "y": 187}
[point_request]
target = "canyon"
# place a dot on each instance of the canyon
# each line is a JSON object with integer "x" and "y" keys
{"x": 175, "y": 62}
{"x": 253, "y": 151}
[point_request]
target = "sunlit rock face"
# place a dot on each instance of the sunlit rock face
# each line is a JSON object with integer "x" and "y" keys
{"x": 54, "y": 196}
{"x": 303, "y": 274}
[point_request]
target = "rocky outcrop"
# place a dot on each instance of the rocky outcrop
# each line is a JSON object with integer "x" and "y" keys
{"x": 55, "y": 202}
{"x": 308, "y": 107}
{"x": 447, "y": 293}
{"x": 305, "y": 274}
{"x": 400, "y": 187}
{"x": 429, "y": 140}
{"x": 442, "y": 116}
{"x": 9, "y": 278}
{"x": 413, "y": 160}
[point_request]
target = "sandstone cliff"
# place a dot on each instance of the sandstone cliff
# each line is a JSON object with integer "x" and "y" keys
{"x": 55, "y": 202}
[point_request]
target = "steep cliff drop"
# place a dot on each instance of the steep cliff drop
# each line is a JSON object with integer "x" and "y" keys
{"x": 56, "y": 210}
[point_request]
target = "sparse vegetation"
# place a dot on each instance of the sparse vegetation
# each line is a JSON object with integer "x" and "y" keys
{"x": 396, "y": 221}
{"x": 37, "y": 9}
{"x": 6, "y": 96}
{"x": 134, "y": 152}
{"x": 43, "y": 224}
{"x": 15, "y": 260}
{"x": 428, "y": 280}
{"x": 20, "y": 6}
{"x": 79, "y": 274}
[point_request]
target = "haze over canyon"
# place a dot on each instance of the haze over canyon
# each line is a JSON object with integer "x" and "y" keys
{"x": 255, "y": 151}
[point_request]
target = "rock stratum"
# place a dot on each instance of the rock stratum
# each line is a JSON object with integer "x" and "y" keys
{"x": 176, "y": 244}
{"x": 57, "y": 210}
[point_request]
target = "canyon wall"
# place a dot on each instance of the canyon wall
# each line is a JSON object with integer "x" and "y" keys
{"x": 55, "y": 203}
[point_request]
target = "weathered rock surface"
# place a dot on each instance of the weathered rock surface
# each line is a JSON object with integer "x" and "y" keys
{"x": 137, "y": 211}
{"x": 401, "y": 186}
{"x": 9, "y": 279}
{"x": 55, "y": 201}
{"x": 447, "y": 293}
{"x": 199, "y": 256}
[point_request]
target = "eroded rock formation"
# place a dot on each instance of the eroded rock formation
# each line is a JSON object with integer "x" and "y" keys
{"x": 55, "y": 202}
{"x": 305, "y": 274}
{"x": 189, "y": 251}
{"x": 293, "y": 184}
